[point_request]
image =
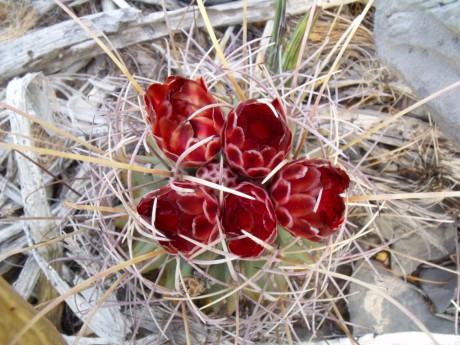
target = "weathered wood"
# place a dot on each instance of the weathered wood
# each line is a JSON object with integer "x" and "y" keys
{"x": 107, "y": 323}
{"x": 22, "y": 94}
{"x": 53, "y": 48}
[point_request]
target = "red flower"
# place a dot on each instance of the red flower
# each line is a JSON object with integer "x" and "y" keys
{"x": 256, "y": 140}
{"x": 213, "y": 173}
{"x": 169, "y": 106}
{"x": 194, "y": 215}
{"x": 306, "y": 196}
{"x": 257, "y": 217}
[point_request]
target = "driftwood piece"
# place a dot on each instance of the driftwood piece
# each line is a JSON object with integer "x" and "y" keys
{"x": 56, "y": 47}
{"x": 32, "y": 180}
{"x": 41, "y": 7}
{"x": 10, "y": 232}
{"x": 30, "y": 273}
{"x": 107, "y": 323}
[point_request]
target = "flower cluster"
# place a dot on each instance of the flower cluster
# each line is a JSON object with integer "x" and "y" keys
{"x": 189, "y": 127}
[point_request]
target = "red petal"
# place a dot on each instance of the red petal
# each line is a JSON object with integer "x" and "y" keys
{"x": 284, "y": 218}
{"x": 230, "y": 125}
{"x": 275, "y": 160}
{"x": 164, "y": 127}
{"x": 213, "y": 148}
{"x": 278, "y": 107}
{"x": 258, "y": 193}
{"x": 303, "y": 228}
{"x": 210, "y": 211}
{"x": 218, "y": 119}
{"x": 257, "y": 172}
{"x": 250, "y": 144}
{"x": 254, "y": 216}
{"x": 179, "y": 138}
{"x": 156, "y": 93}
{"x": 234, "y": 156}
{"x": 268, "y": 153}
{"x": 237, "y": 137}
{"x": 202, "y": 83}
{"x": 310, "y": 183}
{"x": 202, "y": 229}
{"x": 300, "y": 205}
{"x": 334, "y": 179}
{"x": 245, "y": 248}
{"x": 284, "y": 144}
{"x": 166, "y": 218}
{"x": 172, "y": 103}
{"x": 252, "y": 159}
{"x": 293, "y": 171}
{"x": 260, "y": 131}
{"x": 203, "y": 127}
{"x": 244, "y": 218}
{"x": 190, "y": 204}
{"x": 281, "y": 191}
{"x": 177, "y": 244}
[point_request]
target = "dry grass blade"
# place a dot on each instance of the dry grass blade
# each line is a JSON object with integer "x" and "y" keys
{"x": 82, "y": 158}
{"x": 52, "y": 128}
{"x": 94, "y": 208}
{"x": 39, "y": 245}
{"x": 186, "y": 324}
{"x": 99, "y": 303}
{"x": 392, "y": 119}
{"x": 403, "y": 196}
{"x": 352, "y": 30}
{"x": 219, "y": 51}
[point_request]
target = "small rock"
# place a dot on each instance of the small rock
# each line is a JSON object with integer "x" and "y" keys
{"x": 420, "y": 41}
{"x": 439, "y": 285}
{"x": 427, "y": 244}
{"x": 371, "y": 312}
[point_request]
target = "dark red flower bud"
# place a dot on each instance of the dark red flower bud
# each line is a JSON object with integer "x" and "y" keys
{"x": 212, "y": 172}
{"x": 306, "y": 196}
{"x": 256, "y": 217}
{"x": 170, "y": 105}
{"x": 257, "y": 138}
{"x": 195, "y": 215}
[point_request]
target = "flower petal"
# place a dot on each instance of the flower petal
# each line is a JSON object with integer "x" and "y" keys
{"x": 245, "y": 248}
{"x": 300, "y": 205}
{"x": 202, "y": 229}
{"x": 306, "y": 194}
{"x": 284, "y": 218}
{"x": 234, "y": 156}
{"x": 252, "y": 159}
{"x": 281, "y": 191}
{"x": 190, "y": 204}
{"x": 256, "y": 217}
{"x": 193, "y": 215}
{"x": 169, "y": 106}
{"x": 237, "y": 137}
